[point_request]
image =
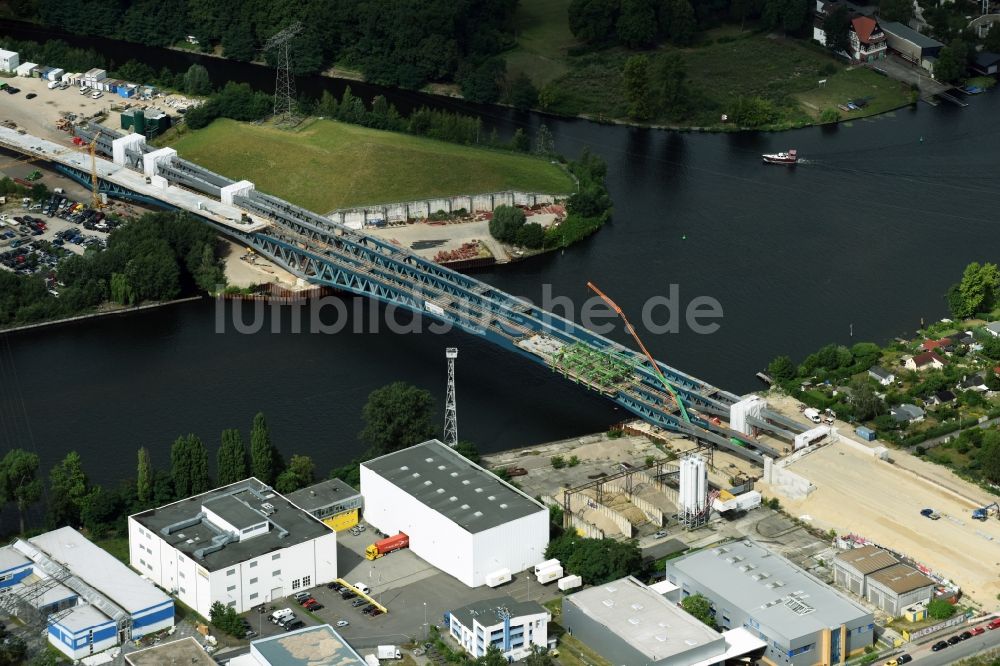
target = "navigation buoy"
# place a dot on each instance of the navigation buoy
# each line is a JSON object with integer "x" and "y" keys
{"x": 921, "y": 139}
{"x": 684, "y": 237}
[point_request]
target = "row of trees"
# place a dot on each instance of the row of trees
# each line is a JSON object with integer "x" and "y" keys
{"x": 589, "y": 208}
{"x": 393, "y": 43}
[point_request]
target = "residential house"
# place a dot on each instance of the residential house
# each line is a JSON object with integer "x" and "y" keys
{"x": 993, "y": 328}
{"x": 973, "y": 383}
{"x": 907, "y": 413}
{"x": 942, "y": 397}
{"x": 925, "y": 361}
{"x": 881, "y": 375}
{"x": 867, "y": 40}
{"x": 910, "y": 45}
{"x": 944, "y": 344}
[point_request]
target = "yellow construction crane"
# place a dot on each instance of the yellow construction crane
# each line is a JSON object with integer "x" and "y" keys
{"x": 94, "y": 182}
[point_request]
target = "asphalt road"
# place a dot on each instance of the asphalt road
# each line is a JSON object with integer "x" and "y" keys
{"x": 924, "y": 657}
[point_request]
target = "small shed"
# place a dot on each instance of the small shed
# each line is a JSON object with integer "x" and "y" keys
{"x": 986, "y": 63}
{"x": 26, "y": 69}
{"x": 9, "y": 60}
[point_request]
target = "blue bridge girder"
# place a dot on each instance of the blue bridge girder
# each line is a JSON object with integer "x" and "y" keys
{"x": 326, "y": 253}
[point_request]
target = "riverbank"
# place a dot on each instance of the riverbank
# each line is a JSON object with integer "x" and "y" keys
{"x": 108, "y": 310}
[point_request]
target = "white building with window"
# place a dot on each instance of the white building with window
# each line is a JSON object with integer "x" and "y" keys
{"x": 461, "y": 518}
{"x": 515, "y": 627}
{"x": 241, "y": 545}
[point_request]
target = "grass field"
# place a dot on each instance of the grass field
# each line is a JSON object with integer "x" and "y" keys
{"x": 883, "y": 94}
{"x": 326, "y": 164}
{"x": 543, "y": 40}
{"x": 725, "y": 64}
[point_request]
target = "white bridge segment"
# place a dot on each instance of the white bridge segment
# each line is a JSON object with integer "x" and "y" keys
{"x": 133, "y": 142}
{"x": 215, "y": 211}
{"x": 242, "y": 188}
{"x": 151, "y": 160}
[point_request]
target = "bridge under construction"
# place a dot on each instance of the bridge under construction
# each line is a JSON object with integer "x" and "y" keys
{"x": 324, "y": 252}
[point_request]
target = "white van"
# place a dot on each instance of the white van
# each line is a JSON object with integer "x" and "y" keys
{"x": 97, "y": 94}
{"x": 362, "y": 588}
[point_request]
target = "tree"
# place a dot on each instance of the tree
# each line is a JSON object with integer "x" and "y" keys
{"x": 593, "y": 21}
{"x": 68, "y": 487}
{"x": 481, "y": 83}
{"x": 753, "y": 112}
{"x": 698, "y": 606}
{"x": 867, "y": 405}
{"x": 468, "y": 450}
{"x": 837, "y": 26}
{"x": 531, "y": 236}
{"x": 189, "y": 466}
{"x": 636, "y": 25}
{"x": 101, "y": 511}
{"x": 781, "y": 369}
{"x": 669, "y": 85}
{"x": 301, "y": 472}
{"x": 506, "y": 223}
{"x": 493, "y": 657}
{"x": 545, "y": 145}
{"x": 595, "y": 560}
{"x": 265, "y": 461}
{"x": 940, "y": 609}
{"x": 523, "y": 93}
{"x": 682, "y": 24}
{"x": 196, "y": 80}
{"x": 950, "y": 66}
{"x": 520, "y": 141}
{"x": 977, "y": 290}
{"x": 635, "y": 79}
{"x": 231, "y": 459}
{"x": 397, "y": 416}
{"x": 237, "y": 42}
{"x": 992, "y": 40}
{"x": 900, "y": 11}
{"x": 989, "y": 456}
{"x": 539, "y": 657}
{"x": 144, "y": 477}
{"x": 226, "y": 619}
{"x": 19, "y": 482}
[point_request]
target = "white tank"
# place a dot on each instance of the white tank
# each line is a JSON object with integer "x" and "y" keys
{"x": 694, "y": 484}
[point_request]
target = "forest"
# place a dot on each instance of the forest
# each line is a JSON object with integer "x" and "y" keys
{"x": 404, "y": 44}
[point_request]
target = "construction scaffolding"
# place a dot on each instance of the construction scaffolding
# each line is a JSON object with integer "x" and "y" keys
{"x": 605, "y": 371}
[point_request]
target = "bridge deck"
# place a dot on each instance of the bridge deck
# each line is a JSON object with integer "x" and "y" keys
{"x": 213, "y": 209}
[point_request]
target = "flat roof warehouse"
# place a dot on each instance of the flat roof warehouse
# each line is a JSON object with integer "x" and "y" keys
{"x": 246, "y": 505}
{"x": 458, "y": 489}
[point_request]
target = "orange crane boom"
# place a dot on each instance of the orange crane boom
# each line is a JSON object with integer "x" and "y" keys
{"x": 635, "y": 336}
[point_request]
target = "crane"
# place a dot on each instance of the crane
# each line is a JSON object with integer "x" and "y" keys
{"x": 635, "y": 336}
{"x": 94, "y": 182}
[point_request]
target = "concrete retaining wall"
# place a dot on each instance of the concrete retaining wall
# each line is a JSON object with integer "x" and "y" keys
{"x": 402, "y": 211}
{"x": 788, "y": 483}
{"x": 581, "y": 525}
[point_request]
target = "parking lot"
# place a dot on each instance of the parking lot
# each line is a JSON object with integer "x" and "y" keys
{"x": 415, "y": 594}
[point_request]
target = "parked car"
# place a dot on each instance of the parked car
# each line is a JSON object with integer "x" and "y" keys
{"x": 342, "y": 623}
{"x": 295, "y": 624}
{"x": 358, "y": 602}
{"x": 315, "y": 606}
{"x": 975, "y": 631}
{"x": 995, "y": 624}
{"x": 301, "y": 596}
{"x": 903, "y": 659}
{"x": 30, "y": 96}
{"x": 940, "y": 645}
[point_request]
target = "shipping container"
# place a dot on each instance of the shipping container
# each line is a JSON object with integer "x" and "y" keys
{"x": 569, "y": 582}
{"x": 864, "y": 433}
{"x": 551, "y": 574}
{"x": 498, "y": 577}
{"x": 547, "y": 564}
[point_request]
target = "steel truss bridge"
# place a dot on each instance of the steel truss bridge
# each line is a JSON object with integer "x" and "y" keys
{"x": 323, "y": 252}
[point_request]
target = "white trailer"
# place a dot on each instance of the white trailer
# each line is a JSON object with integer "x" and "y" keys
{"x": 812, "y": 415}
{"x": 388, "y": 652}
{"x": 569, "y": 582}
{"x": 371, "y": 660}
{"x": 547, "y": 564}
{"x": 550, "y": 574}
{"x": 498, "y": 577}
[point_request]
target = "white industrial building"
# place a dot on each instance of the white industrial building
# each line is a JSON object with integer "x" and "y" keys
{"x": 460, "y": 518}
{"x": 9, "y": 60}
{"x": 242, "y": 545}
{"x": 89, "y": 600}
{"x": 311, "y": 646}
{"x": 514, "y": 627}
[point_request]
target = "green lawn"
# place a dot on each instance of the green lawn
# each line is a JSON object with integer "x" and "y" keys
{"x": 543, "y": 40}
{"x": 326, "y": 164}
{"x": 883, "y": 94}
{"x": 117, "y": 546}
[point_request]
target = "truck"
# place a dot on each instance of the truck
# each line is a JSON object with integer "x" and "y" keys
{"x": 371, "y": 660}
{"x": 812, "y": 415}
{"x": 386, "y": 546}
{"x": 930, "y": 513}
{"x": 984, "y": 512}
{"x": 547, "y": 564}
{"x": 388, "y": 652}
{"x": 569, "y": 582}
{"x": 550, "y": 574}
{"x": 498, "y": 577}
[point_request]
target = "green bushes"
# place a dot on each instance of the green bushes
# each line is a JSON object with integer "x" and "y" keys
{"x": 589, "y": 208}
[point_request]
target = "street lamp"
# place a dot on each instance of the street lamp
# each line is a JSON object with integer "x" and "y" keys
{"x": 427, "y": 629}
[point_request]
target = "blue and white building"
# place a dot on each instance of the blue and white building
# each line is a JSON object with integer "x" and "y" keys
{"x": 513, "y": 626}
{"x": 89, "y": 599}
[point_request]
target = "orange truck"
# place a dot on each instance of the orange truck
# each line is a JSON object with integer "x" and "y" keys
{"x": 386, "y": 546}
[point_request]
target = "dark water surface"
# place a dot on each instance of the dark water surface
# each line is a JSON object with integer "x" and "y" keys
{"x": 870, "y": 232}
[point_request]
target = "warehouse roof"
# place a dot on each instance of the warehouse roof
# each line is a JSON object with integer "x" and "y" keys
{"x": 321, "y": 495}
{"x": 312, "y": 646}
{"x": 234, "y": 511}
{"x": 644, "y": 619}
{"x": 185, "y": 526}
{"x": 902, "y": 579}
{"x": 99, "y": 569}
{"x": 909, "y": 34}
{"x": 867, "y": 559}
{"x": 458, "y": 489}
{"x": 490, "y": 612}
{"x": 82, "y": 617}
{"x": 768, "y": 587}
{"x": 11, "y": 559}
{"x": 182, "y": 651}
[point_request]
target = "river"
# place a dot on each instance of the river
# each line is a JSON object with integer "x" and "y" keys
{"x": 869, "y": 233}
